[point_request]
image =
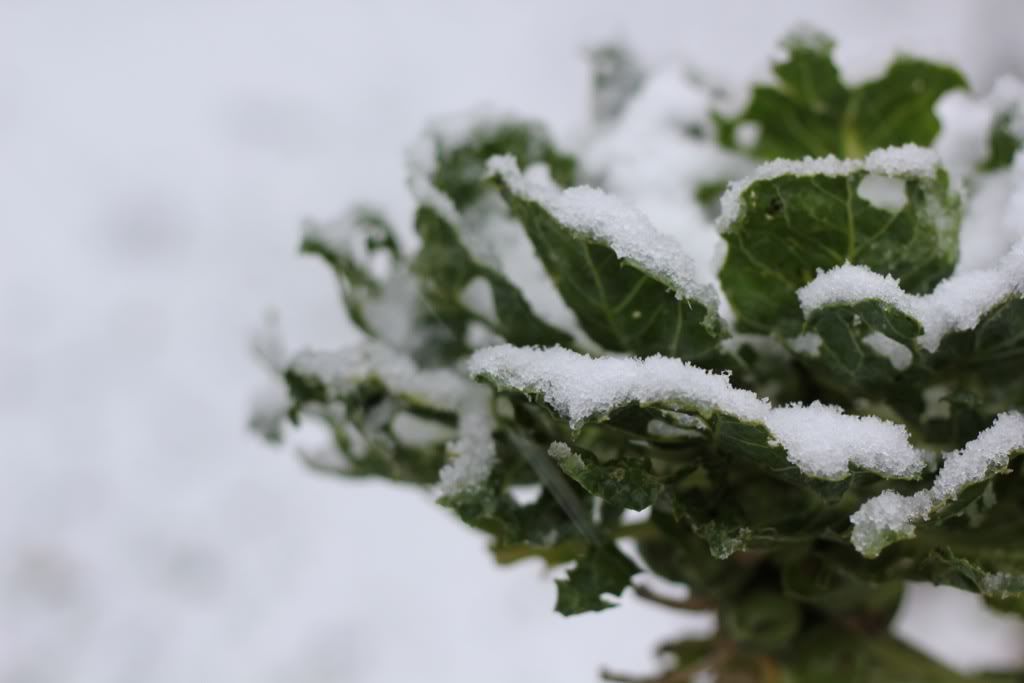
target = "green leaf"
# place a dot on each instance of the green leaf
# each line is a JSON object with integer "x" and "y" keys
{"x": 789, "y": 221}
{"x": 379, "y": 291}
{"x": 962, "y": 478}
{"x": 604, "y": 569}
{"x": 850, "y": 361}
{"x": 810, "y": 111}
{"x": 625, "y": 482}
{"x": 832, "y": 585}
{"x": 1004, "y": 140}
{"x": 389, "y": 418}
{"x": 454, "y": 153}
{"x": 967, "y": 337}
{"x": 639, "y": 297}
{"x": 991, "y": 353}
{"x": 446, "y": 269}
{"x": 679, "y": 554}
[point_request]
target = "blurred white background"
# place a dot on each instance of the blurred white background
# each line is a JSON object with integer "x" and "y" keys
{"x": 155, "y": 160}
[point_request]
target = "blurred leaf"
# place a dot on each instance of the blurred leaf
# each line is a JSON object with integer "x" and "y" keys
{"x": 604, "y": 569}
{"x": 810, "y": 112}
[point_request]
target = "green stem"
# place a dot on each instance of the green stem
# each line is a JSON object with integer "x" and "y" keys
{"x": 571, "y": 548}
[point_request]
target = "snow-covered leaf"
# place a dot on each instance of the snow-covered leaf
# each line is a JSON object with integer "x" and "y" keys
{"x": 792, "y": 218}
{"x": 462, "y": 288}
{"x": 632, "y": 287}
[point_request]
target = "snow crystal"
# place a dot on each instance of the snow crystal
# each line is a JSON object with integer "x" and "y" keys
{"x": 597, "y": 216}
{"x": 820, "y": 440}
{"x": 888, "y": 514}
{"x": 988, "y": 452}
{"x": 849, "y": 284}
{"x": 891, "y": 514}
{"x": 883, "y": 192}
{"x": 896, "y": 353}
{"x": 474, "y": 451}
{"x": 906, "y": 161}
{"x": 824, "y": 441}
{"x": 956, "y": 304}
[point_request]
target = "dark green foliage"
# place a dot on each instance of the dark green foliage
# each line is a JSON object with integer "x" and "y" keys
{"x": 620, "y": 305}
{"x": 790, "y": 226}
{"x": 811, "y": 112}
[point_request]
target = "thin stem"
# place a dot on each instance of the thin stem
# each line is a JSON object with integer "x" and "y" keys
{"x": 695, "y": 603}
{"x": 567, "y": 550}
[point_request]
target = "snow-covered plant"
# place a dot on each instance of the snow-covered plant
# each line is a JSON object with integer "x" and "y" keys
{"x": 766, "y": 344}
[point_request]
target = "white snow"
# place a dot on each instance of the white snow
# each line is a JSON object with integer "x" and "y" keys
{"x": 427, "y": 194}
{"x": 967, "y": 121}
{"x": 883, "y": 192}
{"x": 478, "y": 298}
{"x": 824, "y": 441}
{"x": 151, "y": 537}
{"x": 956, "y": 304}
{"x": 582, "y": 388}
{"x": 896, "y": 353}
{"x": 342, "y": 371}
{"x": 499, "y": 241}
{"x": 891, "y": 513}
{"x": 806, "y": 344}
{"x": 820, "y": 440}
{"x": 597, "y": 216}
{"x": 444, "y": 134}
{"x": 561, "y": 451}
{"x": 473, "y": 452}
{"x": 646, "y": 158}
{"x": 906, "y": 161}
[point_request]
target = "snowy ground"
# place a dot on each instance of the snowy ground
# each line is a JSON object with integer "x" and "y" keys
{"x": 155, "y": 159}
